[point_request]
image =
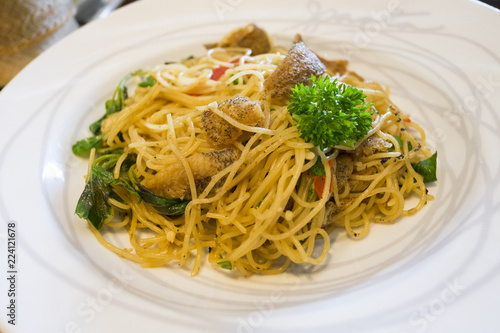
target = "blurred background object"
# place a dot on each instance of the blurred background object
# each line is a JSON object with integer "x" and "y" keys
{"x": 89, "y": 10}
{"x": 494, "y": 3}
{"x": 27, "y": 28}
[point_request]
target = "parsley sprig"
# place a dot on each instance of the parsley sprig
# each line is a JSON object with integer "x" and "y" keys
{"x": 328, "y": 113}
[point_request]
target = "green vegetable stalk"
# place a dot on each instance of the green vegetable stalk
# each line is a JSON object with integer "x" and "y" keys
{"x": 93, "y": 203}
{"x": 83, "y": 147}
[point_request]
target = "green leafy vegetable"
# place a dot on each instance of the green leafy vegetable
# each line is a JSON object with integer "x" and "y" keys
{"x": 117, "y": 101}
{"x": 427, "y": 168}
{"x": 92, "y": 204}
{"x": 95, "y": 127}
{"x": 108, "y": 178}
{"x": 225, "y": 264}
{"x": 85, "y": 202}
{"x": 168, "y": 206}
{"x": 112, "y": 105}
{"x": 311, "y": 194}
{"x": 149, "y": 82}
{"x": 318, "y": 169}
{"x": 398, "y": 139}
{"x": 83, "y": 147}
{"x": 328, "y": 113}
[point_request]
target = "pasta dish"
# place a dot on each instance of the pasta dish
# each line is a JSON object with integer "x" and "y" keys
{"x": 249, "y": 155}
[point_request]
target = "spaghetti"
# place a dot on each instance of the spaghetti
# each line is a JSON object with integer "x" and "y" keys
{"x": 250, "y": 200}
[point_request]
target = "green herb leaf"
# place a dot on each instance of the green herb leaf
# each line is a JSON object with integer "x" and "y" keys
{"x": 318, "y": 169}
{"x": 398, "y": 139}
{"x": 84, "y": 204}
{"x": 125, "y": 182}
{"x": 168, "y": 206}
{"x": 108, "y": 178}
{"x": 149, "y": 82}
{"x": 328, "y": 113}
{"x": 128, "y": 163}
{"x": 427, "y": 168}
{"x": 92, "y": 204}
{"x": 83, "y": 147}
{"x": 117, "y": 101}
{"x": 112, "y": 106}
{"x": 95, "y": 127}
{"x": 311, "y": 194}
{"x": 225, "y": 264}
{"x": 103, "y": 174}
{"x": 100, "y": 209}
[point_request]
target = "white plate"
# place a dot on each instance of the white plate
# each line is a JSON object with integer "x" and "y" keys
{"x": 435, "y": 272}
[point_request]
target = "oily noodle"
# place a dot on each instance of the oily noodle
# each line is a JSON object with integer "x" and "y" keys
{"x": 263, "y": 216}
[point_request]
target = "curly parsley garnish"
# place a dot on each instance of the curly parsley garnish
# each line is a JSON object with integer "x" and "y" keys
{"x": 328, "y": 113}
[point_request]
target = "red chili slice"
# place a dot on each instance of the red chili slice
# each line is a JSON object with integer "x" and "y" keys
{"x": 319, "y": 183}
{"x": 217, "y": 72}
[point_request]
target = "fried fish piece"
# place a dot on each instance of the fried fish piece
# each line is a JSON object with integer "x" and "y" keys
{"x": 249, "y": 36}
{"x": 333, "y": 67}
{"x": 241, "y": 109}
{"x": 343, "y": 170}
{"x": 370, "y": 146}
{"x": 297, "y": 67}
{"x": 173, "y": 182}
